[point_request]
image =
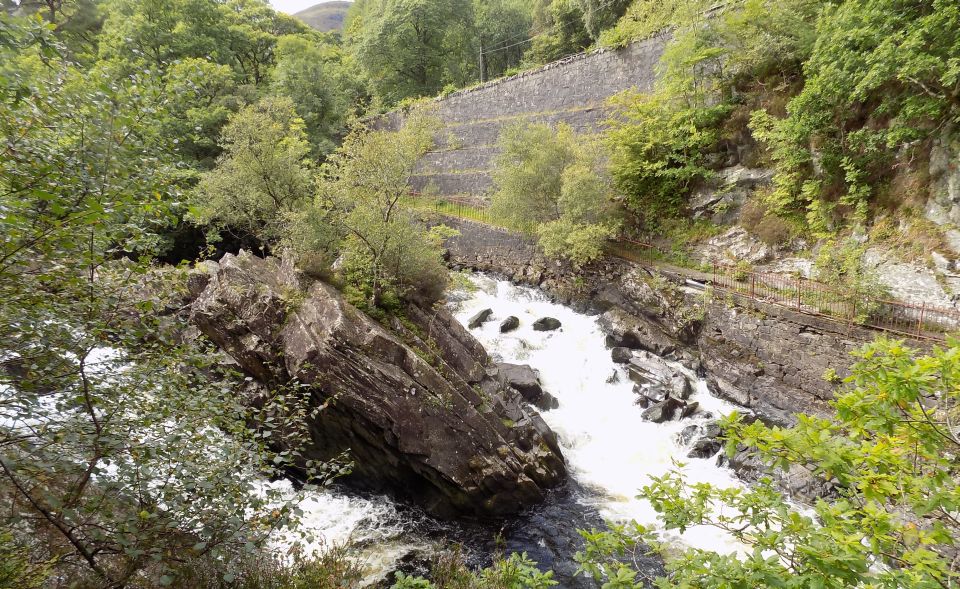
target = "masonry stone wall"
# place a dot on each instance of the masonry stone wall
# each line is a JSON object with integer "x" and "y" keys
{"x": 573, "y": 91}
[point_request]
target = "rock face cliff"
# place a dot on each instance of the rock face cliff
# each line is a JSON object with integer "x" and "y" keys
{"x": 433, "y": 424}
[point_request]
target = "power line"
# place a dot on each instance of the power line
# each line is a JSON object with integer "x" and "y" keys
{"x": 540, "y": 33}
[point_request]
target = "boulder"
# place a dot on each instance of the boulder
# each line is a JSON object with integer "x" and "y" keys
{"x": 628, "y": 331}
{"x": 509, "y": 324}
{"x": 689, "y": 410}
{"x": 480, "y": 318}
{"x": 443, "y": 433}
{"x": 704, "y": 448}
{"x": 721, "y": 198}
{"x": 662, "y": 411}
{"x": 526, "y": 381}
{"x": 646, "y": 368}
{"x": 546, "y": 324}
{"x": 708, "y": 431}
{"x": 687, "y": 434}
{"x": 735, "y": 245}
{"x": 621, "y": 355}
{"x": 654, "y": 393}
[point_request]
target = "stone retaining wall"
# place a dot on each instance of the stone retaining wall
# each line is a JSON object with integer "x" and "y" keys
{"x": 572, "y": 91}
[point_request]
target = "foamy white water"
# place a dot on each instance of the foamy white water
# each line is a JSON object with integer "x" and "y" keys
{"x": 609, "y": 448}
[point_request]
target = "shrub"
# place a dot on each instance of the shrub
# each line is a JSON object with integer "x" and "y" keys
{"x": 658, "y": 148}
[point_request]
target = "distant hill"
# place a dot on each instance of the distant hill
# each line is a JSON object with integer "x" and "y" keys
{"x": 326, "y": 16}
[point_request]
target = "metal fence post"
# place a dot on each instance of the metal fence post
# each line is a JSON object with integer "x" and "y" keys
{"x": 799, "y": 287}
{"x": 923, "y": 310}
{"x": 753, "y": 286}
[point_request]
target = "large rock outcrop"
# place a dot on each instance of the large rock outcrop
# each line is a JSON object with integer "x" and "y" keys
{"x": 421, "y": 417}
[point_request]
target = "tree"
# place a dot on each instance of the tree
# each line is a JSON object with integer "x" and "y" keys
{"x": 303, "y": 75}
{"x": 555, "y": 183}
{"x": 560, "y": 31}
{"x": 263, "y": 175}
{"x": 502, "y": 26}
{"x": 201, "y": 97}
{"x": 599, "y": 15}
{"x": 252, "y": 31}
{"x": 153, "y": 34}
{"x": 386, "y": 253}
{"x": 413, "y": 48}
{"x": 888, "y": 452}
{"x": 125, "y": 452}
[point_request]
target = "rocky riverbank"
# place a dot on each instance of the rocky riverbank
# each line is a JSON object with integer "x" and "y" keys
{"x": 420, "y": 407}
{"x": 759, "y": 356}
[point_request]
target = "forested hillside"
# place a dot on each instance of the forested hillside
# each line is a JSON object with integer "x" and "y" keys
{"x": 325, "y": 16}
{"x": 153, "y": 392}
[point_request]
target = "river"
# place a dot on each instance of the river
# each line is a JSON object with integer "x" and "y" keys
{"x": 611, "y": 452}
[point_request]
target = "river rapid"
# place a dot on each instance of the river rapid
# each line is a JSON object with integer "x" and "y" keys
{"x": 610, "y": 451}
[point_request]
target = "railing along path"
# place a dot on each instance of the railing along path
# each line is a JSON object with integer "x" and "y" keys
{"x": 809, "y": 297}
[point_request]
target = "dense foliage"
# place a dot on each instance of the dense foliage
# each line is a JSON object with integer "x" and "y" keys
{"x": 888, "y": 453}
{"x": 553, "y": 182}
{"x": 125, "y": 453}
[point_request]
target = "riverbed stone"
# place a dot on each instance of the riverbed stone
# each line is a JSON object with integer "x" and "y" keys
{"x": 689, "y": 410}
{"x": 662, "y": 411}
{"x": 509, "y": 324}
{"x": 480, "y": 318}
{"x": 621, "y": 355}
{"x": 526, "y": 381}
{"x": 649, "y": 369}
{"x": 688, "y": 434}
{"x": 546, "y": 324}
{"x": 704, "y": 448}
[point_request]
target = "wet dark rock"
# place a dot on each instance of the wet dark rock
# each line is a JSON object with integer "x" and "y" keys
{"x": 480, "y": 318}
{"x": 712, "y": 430}
{"x": 441, "y": 433}
{"x": 509, "y": 324}
{"x": 689, "y": 409}
{"x": 687, "y": 434}
{"x": 549, "y": 535}
{"x": 662, "y": 411}
{"x": 621, "y": 355}
{"x": 654, "y": 393}
{"x": 614, "y": 377}
{"x": 704, "y": 448}
{"x": 546, "y": 324}
{"x": 649, "y": 369}
{"x": 526, "y": 381}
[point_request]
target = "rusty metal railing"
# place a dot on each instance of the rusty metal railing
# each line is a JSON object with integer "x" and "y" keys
{"x": 809, "y": 297}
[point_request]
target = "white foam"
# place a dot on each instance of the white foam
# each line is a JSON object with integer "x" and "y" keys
{"x": 609, "y": 448}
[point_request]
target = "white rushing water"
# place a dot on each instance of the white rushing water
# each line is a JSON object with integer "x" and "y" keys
{"x": 609, "y": 449}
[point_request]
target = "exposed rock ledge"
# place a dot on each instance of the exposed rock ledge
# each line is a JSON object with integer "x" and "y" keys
{"x": 444, "y": 433}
